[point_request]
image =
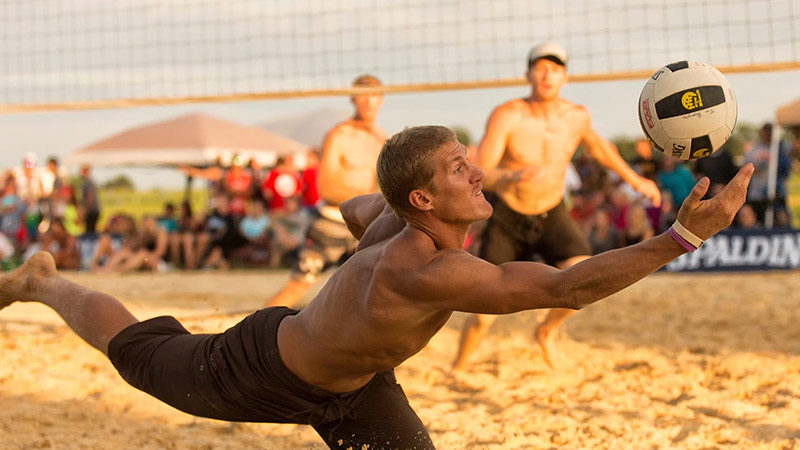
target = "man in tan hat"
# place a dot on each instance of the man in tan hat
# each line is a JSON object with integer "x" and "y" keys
{"x": 528, "y": 145}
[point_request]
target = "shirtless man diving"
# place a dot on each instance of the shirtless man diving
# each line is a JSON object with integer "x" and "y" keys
{"x": 331, "y": 364}
{"x": 528, "y": 144}
{"x": 347, "y": 169}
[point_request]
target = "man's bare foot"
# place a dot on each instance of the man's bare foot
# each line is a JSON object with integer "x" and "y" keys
{"x": 19, "y": 285}
{"x": 544, "y": 337}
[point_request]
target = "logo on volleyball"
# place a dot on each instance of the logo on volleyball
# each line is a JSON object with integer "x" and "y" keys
{"x": 648, "y": 117}
{"x": 677, "y": 150}
{"x": 692, "y": 100}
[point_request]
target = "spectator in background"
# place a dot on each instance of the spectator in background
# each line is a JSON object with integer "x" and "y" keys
{"x": 746, "y": 218}
{"x": 90, "y": 201}
{"x": 12, "y": 214}
{"x": 255, "y": 228}
{"x": 62, "y": 245}
{"x": 120, "y": 231}
{"x": 310, "y": 194}
{"x": 288, "y": 228}
{"x": 718, "y": 167}
{"x": 583, "y": 209}
{"x": 257, "y": 175}
{"x": 224, "y": 234}
{"x": 676, "y": 178}
{"x": 30, "y": 191}
{"x": 637, "y": 226}
{"x": 644, "y": 164}
{"x": 144, "y": 250}
{"x": 182, "y": 241}
{"x": 167, "y": 220}
{"x": 602, "y": 234}
{"x": 668, "y": 214}
{"x": 759, "y": 155}
{"x": 239, "y": 186}
{"x": 52, "y": 181}
{"x": 618, "y": 208}
{"x": 282, "y": 182}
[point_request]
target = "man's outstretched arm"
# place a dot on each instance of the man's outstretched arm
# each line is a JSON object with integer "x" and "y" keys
{"x": 370, "y": 219}
{"x": 474, "y": 285}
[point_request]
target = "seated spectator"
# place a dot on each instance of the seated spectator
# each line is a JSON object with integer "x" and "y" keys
{"x": 223, "y": 236}
{"x": 255, "y": 228}
{"x": 167, "y": 219}
{"x": 602, "y": 235}
{"x": 120, "y": 229}
{"x": 255, "y": 225}
{"x": 12, "y": 215}
{"x": 288, "y": 232}
{"x": 183, "y": 241}
{"x": 145, "y": 250}
{"x": 62, "y": 245}
{"x": 637, "y": 226}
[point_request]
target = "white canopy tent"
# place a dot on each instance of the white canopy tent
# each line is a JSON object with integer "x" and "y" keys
{"x": 196, "y": 140}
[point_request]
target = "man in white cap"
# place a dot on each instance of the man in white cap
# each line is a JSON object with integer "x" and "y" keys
{"x": 528, "y": 145}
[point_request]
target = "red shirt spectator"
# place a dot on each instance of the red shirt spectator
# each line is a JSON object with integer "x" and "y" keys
{"x": 310, "y": 192}
{"x": 238, "y": 183}
{"x": 283, "y": 181}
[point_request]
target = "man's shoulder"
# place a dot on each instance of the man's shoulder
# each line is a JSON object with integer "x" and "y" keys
{"x": 513, "y": 106}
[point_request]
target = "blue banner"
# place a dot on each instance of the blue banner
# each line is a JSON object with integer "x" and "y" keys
{"x": 743, "y": 250}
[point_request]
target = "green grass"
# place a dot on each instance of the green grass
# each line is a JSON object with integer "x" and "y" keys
{"x": 141, "y": 203}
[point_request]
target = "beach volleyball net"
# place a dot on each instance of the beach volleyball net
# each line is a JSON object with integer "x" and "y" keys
{"x": 74, "y": 54}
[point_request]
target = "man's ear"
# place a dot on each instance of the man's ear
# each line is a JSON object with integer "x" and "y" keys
{"x": 420, "y": 199}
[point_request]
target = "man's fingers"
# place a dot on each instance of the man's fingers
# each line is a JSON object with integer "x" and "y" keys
{"x": 697, "y": 193}
{"x": 738, "y": 185}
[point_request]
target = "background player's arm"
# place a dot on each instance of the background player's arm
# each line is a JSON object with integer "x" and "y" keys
{"x": 370, "y": 219}
{"x": 473, "y": 285}
{"x": 491, "y": 149}
{"x": 607, "y": 155}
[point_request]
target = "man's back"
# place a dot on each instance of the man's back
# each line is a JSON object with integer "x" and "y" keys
{"x": 364, "y": 320}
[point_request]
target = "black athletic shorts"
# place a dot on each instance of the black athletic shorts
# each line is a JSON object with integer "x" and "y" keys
{"x": 238, "y": 375}
{"x": 511, "y": 236}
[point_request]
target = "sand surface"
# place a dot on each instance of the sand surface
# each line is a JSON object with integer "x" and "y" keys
{"x": 676, "y": 361}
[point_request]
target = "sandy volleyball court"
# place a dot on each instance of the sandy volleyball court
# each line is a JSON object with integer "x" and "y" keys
{"x": 676, "y": 361}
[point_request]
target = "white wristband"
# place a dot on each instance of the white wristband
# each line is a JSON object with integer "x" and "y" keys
{"x": 686, "y": 234}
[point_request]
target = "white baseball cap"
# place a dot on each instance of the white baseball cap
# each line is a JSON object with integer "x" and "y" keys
{"x": 549, "y": 50}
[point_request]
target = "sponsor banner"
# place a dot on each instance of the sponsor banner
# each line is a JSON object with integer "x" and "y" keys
{"x": 740, "y": 250}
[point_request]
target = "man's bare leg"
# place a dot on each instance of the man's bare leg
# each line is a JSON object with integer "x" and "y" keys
{"x": 474, "y": 330}
{"x": 292, "y": 293}
{"x": 545, "y": 332}
{"x": 93, "y": 316}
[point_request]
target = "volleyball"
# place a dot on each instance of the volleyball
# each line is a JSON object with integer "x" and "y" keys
{"x": 687, "y": 109}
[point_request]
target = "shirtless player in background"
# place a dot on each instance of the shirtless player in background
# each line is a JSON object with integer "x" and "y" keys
{"x": 529, "y": 143}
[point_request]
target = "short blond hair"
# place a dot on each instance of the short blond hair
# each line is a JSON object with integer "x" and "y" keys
{"x": 406, "y": 163}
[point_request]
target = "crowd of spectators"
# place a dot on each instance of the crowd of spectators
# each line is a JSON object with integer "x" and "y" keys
{"x": 613, "y": 215}
{"x": 258, "y": 217}
{"x": 254, "y": 217}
